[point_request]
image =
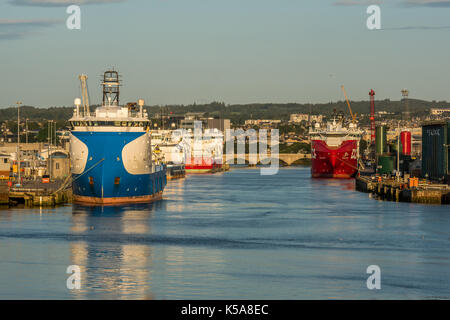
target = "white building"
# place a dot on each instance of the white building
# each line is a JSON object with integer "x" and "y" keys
{"x": 299, "y": 117}
{"x": 439, "y": 111}
{"x": 261, "y": 122}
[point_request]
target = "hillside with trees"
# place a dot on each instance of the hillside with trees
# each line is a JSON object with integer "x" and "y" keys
{"x": 238, "y": 113}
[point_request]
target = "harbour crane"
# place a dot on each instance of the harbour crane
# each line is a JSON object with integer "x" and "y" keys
{"x": 372, "y": 116}
{"x": 348, "y": 103}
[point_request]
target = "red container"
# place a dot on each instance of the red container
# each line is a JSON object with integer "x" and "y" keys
{"x": 405, "y": 138}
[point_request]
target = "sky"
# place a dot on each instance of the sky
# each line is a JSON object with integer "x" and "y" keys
{"x": 232, "y": 51}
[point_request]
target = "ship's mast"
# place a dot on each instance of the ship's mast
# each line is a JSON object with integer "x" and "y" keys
{"x": 111, "y": 84}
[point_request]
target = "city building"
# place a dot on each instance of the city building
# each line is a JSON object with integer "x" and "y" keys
{"x": 5, "y": 166}
{"x": 299, "y": 117}
{"x": 60, "y": 165}
{"x": 439, "y": 111}
{"x": 261, "y": 122}
{"x": 220, "y": 124}
{"x": 207, "y": 123}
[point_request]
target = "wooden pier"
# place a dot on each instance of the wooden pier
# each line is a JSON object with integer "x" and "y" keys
{"x": 400, "y": 190}
{"x": 35, "y": 195}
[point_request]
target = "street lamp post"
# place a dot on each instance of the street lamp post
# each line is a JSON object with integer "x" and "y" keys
{"x": 18, "y": 140}
{"x": 398, "y": 153}
{"x": 26, "y": 130}
{"x": 49, "y": 143}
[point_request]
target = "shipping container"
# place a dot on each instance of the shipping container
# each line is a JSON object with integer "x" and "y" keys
{"x": 435, "y": 155}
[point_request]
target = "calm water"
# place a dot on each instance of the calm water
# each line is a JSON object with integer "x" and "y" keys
{"x": 237, "y": 235}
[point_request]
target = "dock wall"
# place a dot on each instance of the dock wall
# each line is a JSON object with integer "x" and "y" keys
{"x": 393, "y": 190}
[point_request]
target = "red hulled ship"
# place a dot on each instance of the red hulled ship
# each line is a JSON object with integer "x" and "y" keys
{"x": 335, "y": 149}
{"x": 202, "y": 165}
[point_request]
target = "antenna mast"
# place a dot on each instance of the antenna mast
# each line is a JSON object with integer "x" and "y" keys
{"x": 111, "y": 84}
{"x": 405, "y": 94}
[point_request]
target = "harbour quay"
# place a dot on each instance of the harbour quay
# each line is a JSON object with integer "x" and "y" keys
{"x": 35, "y": 194}
{"x": 424, "y": 182}
{"x": 404, "y": 190}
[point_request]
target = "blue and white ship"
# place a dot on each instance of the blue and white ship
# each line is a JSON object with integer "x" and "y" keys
{"x": 110, "y": 149}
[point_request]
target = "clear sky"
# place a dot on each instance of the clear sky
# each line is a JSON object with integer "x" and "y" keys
{"x": 235, "y": 51}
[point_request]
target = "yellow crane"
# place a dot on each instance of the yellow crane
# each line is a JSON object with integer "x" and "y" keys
{"x": 348, "y": 103}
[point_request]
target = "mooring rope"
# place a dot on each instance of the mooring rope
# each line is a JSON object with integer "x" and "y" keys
{"x": 66, "y": 183}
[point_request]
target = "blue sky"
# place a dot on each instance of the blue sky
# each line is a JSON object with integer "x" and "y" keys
{"x": 235, "y": 51}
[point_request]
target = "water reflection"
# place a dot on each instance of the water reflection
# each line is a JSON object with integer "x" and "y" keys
{"x": 110, "y": 265}
{"x": 342, "y": 184}
{"x": 239, "y": 235}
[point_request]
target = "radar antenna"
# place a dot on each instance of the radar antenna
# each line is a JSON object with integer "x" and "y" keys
{"x": 111, "y": 84}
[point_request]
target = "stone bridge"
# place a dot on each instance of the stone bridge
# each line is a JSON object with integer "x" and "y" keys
{"x": 287, "y": 158}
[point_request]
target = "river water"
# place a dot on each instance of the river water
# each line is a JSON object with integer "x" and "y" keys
{"x": 234, "y": 235}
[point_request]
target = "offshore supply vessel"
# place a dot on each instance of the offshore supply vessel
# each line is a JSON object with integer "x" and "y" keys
{"x": 111, "y": 150}
{"x": 335, "y": 149}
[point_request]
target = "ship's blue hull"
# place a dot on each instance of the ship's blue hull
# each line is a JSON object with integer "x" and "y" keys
{"x": 106, "y": 180}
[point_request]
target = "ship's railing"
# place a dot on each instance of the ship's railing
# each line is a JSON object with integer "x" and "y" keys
{"x": 83, "y": 115}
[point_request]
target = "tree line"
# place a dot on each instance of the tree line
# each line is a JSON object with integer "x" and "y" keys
{"x": 238, "y": 113}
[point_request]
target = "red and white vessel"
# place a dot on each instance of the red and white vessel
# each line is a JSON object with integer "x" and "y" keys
{"x": 200, "y": 151}
{"x": 335, "y": 149}
{"x": 205, "y": 155}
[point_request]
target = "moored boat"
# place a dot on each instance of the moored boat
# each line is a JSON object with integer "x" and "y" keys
{"x": 335, "y": 149}
{"x": 111, "y": 150}
{"x": 169, "y": 152}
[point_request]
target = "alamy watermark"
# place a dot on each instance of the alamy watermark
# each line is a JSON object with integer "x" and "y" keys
{"x": 374, "y": 281}
{"x": 74, "y": 280}
{"x": 374, "y": 20}
{"x": 73, "y": 22}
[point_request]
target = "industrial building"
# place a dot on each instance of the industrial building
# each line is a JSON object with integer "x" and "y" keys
{"x": 435, "y": 150}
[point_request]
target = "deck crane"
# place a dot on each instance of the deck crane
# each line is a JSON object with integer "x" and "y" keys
{"x": 348, "y": 103}
{"x": 84, "y": 94}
